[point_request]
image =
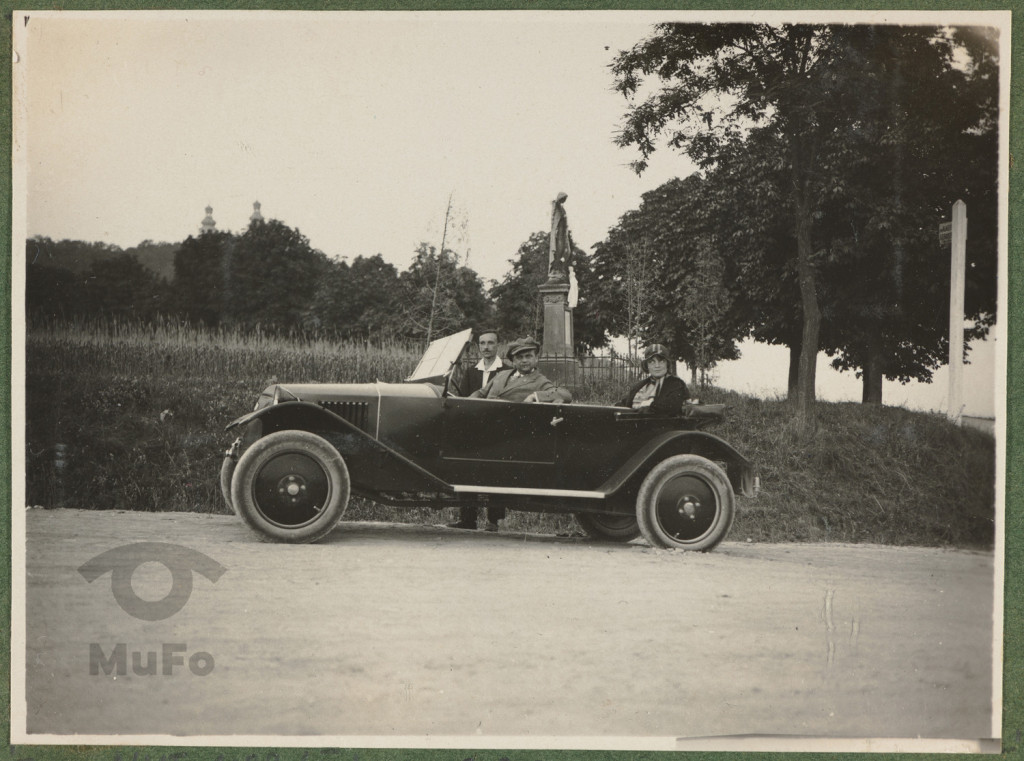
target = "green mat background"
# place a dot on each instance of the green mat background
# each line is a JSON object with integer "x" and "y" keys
{"x": 1013, "y": 655}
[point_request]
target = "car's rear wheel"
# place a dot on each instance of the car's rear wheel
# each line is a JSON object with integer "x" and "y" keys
{"x": 291, "y": 486}
{"x": 685, "y": 502}
{"x": 614, "y": 528}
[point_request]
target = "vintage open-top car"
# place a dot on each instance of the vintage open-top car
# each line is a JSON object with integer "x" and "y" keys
{"x": 306, "y": 448}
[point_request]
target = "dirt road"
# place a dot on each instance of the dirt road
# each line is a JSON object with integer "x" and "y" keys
{"x": 413, "y": 631}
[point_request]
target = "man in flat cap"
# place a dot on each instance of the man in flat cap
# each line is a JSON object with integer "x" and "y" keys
{"x": 524, "y": 383}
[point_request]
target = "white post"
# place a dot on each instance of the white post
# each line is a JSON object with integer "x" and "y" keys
{"x": 958, "y": 247}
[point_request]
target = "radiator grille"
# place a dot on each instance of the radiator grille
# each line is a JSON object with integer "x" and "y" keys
{"x": 354, "y": 412}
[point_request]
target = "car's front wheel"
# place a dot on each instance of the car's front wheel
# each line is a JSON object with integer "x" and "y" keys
{"x": 614, "y": 528}
{"x": 227, "y": 472}
{"x": 685, "y": 502}
{"x": 291, "y": 486}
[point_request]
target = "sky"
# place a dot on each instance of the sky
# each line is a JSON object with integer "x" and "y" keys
{"x": 355, "y": 128}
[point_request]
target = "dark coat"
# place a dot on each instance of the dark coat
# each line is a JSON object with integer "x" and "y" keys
{"x": 670, "y": 398}
{"x": 473, "y": 379}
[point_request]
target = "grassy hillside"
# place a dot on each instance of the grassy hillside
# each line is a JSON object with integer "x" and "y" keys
{"x": 132, "y": 418}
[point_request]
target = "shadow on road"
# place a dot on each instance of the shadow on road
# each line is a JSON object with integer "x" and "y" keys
{"x": 420, "y": 532}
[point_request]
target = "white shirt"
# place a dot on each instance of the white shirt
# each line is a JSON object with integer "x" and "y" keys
{"x": 495, "y": 366}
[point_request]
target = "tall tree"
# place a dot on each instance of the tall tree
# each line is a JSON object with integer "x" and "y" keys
{"x": 804, "y": 88}
{"x": 519, "y": 307}
{"x": 627, "y": 275}
{"x": 719, "y": 79}
{"x": 747, "y": 194}
{"x": 663, "y": 275}
{"x": 705, "y": 306}
{"x": 927, "y": 137}
{"x": 358, "y": 300}
{"x": 273, "y": 271}
{"x": 202, "y": 277}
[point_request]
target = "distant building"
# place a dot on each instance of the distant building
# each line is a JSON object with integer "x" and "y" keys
{"x": 208, "y": 224}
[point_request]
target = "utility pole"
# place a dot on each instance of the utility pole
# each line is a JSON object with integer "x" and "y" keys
{"x": 957, "y": 231}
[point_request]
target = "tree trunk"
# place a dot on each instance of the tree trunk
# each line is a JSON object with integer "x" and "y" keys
{"x": 872, "y": 370}
{"x": 811, "y": 316}
{"x": 794, "y": 369}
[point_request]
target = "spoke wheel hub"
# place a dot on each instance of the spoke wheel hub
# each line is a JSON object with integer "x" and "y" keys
{"x": 686, "y": 508}
{"x": 291, "y": 489}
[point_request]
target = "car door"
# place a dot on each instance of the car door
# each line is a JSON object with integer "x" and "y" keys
{"x": 596, "y": 440}
{"x": 496, "y": 443}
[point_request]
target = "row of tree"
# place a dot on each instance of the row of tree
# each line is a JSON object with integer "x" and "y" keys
{"x": 271, "y": 277}
{"x": 829, "y": 154}
{"x": 268, "y": 276}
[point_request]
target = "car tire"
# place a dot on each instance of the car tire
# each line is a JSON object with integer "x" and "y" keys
{"x": 291, "y": 486}
{"x": 609, "y": 528}
{"x": 685, "y": 502}
{"x": 227, "y": 470}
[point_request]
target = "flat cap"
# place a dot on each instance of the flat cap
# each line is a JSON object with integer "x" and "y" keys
{"x": 521, "y": 344}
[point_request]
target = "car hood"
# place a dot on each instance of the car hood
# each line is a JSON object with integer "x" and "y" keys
{"x": 329, "y": 392}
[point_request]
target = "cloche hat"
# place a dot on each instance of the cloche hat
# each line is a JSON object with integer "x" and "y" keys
{"x": 654, "y": 350}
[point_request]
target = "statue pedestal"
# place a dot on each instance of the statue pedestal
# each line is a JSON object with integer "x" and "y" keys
{"x": 556, "y": 354}
{"x": 557, "y": 320}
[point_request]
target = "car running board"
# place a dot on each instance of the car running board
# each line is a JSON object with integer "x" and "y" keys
{"x": 529, "y": 492}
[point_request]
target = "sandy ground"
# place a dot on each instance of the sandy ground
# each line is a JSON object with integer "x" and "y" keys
{"x": 398, "y": 630}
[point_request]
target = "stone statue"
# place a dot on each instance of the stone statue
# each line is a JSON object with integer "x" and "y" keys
{"x": 560, "y": 243}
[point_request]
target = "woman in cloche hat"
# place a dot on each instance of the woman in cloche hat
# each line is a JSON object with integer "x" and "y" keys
{"x": 660, "y": 392}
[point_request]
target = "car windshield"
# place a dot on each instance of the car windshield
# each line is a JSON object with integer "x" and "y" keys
{"x": 437, "y": 360}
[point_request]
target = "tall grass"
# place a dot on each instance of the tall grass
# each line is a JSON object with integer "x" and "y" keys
{"x": 218, "y": 354}
{"x": 131, "y": 416}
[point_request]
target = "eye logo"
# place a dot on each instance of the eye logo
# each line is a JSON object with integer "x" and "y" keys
{"x": 123, "y": 561}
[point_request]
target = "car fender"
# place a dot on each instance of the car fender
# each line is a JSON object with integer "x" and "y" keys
{"x": 737, "y": 467}
{"x": 308, "y": 416}
{"x": 295, "y": 414}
